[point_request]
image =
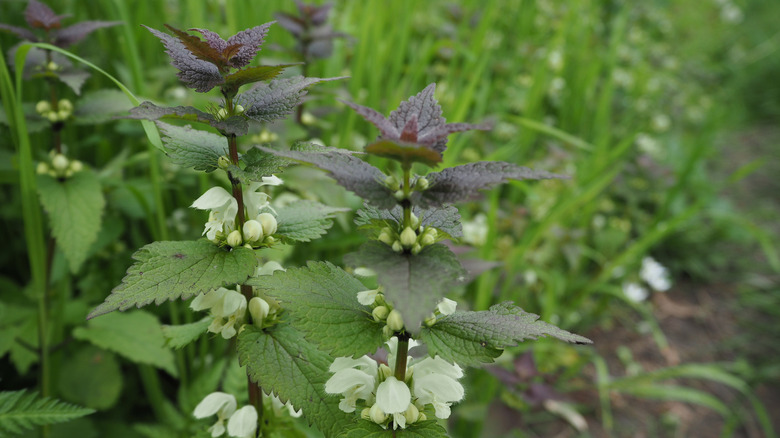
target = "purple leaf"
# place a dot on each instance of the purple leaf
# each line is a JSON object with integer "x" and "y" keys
{"x": 21, "y": 32}
{"x": 235, "y": 125}
{"x": 195, "y": 73}
{"x": 75, "y": 33}
{"x": 385, "y": 127}
{"x": 463, "y": 183}
{"x": 349, "y": 171}
{"x": 250, "y": 41}
{"x": 268, "y": 101}
{"x": 291, "y": 23}
{"x": 39, "y": 15}
{"x": 423, "y": 106}
{"x": 215, "y": 41}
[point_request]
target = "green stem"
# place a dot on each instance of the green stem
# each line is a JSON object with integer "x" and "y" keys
{"x": 401, "y": 356}
{"x": 154, "y": 394}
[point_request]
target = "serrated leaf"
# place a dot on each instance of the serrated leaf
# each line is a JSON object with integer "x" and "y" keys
{"x": 463, "y": 183}
{"x": 177, "y": 336}
{"x": 413, "y": 283}
{"x": 91, "y": 377}
{"x": 193, "y": 148}
{"x": 322, "y": 300}
{"x": 254, "y": 74}
{"x": 169, "y": 270}
{"x": 446, "y": 218}
{"x": 21, "y": 411}
{"x": 21, "y": 32}
{"x": 136, "y": 335}
{"x": 234, "y": 125}
{"x": 304, "y": 220}
{"x": 471, "y": 338}
{"x": 281, "y": 361}
{"x": 257, "y": 164}
{"x": 100, "y": 106}
{"x": 74, "y": 79}
{"x": 74, "y": 33}
{"x": 406, "y": 153}
{"x": 268, "y": 101}
{"x": 75, "y": 207}
{"x": 39, "y": 15}
{"x": 248, "y": 42}
{"x": 368, "y": 429}
{"x": 349, "y": 171}
{"x": 194, "y": 71}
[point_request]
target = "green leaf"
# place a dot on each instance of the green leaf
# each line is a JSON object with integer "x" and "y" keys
{"x": 413, "y": 283}
{"x": 234, "y": 125}
{"x": 136, "y": 335}
{"x": 322, "y": 300}
{"x": 406, "y": 153}
{"x": 254, "y": 74}
{"x": 471, "y": 338}
{"x": 368, "y": 429}
{"x": 463, "y": 183}
{"x": 446, "y": 218}
{"x": 20, "y": 411}
{"x": 349, "y": 171}
{"x": 91, "y": 377}
{"x": 268, "y": 101}
{"x": 177, "y": 336}
{"x": 100, "y": 106}
{"x": 75, "y": 207}
{"x": 281, "y": 361}
{"x": 192, "y": 147}
{"x": 169, "y": 270}
{"x": 257, "y": 165}
{"x": 304, "y": 220}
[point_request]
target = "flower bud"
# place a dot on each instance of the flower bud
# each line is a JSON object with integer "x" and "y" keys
{"x": 252, "y": 231}
{"x": 411, "y": 414}
{"x": 421, "y": 183}
{"x": 52, "y": 66}
{"x": 221, "y": 114}
{"x": 53, "y": 117}
{"x": 239, "y": 109}
{"x": 65, "y": 105}
{"x": 62, "y": 115}
{"x": 430, "y": 320}
{"x": 68, "y": 173}
{"x": 397, "y": 246}
{"x": 395, "y": 321}
{"x": 42, "y": 168}
{"x": 42, "y": 107}
{"x": 234, "y": 238}
{"x": 380, "y": 313}
{"x": 259, "y": 309}
{"x": 416, "y": 248}
{"x": 269, "y": 240}
{"x": 223, "y": 162}
{"x": 392, "y": 183}
{"x": 386, "y": 332}
{"x": 399, "y": 195}
{"x": 376, "y": 414}
{"x": 307, "y": 118}
{"x": 384, "y": 372}
{"x": 59, "y": 162}
{"x": 386, "y": 236}
{"x": 268, "y": 221}
{"x": 76, "y": 166}
{"x": 408, "y": 237}
{"x": 415, "y": 222}
{"x": 427, "y": 239}
{"x": 365, "y": 414}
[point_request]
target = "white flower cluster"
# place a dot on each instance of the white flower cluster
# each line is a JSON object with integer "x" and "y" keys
{"x": 228, "y": 307}
{"x": 654, "y": 274}
{"x": 221, "y": 225}
{"x": 382, "y": 311}
{"x": 429, "y": 381}
{"x": 241, "y": 423}
{"x": 413, "y": 238}
{"x": 62, "y": 112}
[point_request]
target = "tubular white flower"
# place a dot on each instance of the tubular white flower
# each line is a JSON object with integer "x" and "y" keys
{"x": 269, "y": 223}
{"x": 219, "y": 403}
{"x": 367, "y": 297}
{"x": 352, "y": 378}
{"x": 252, "y": 231}
{"x": 393, "y": 398}
{"x": 447, "y": 306}
{"x": 435, "y": 382}
{"x": 269, "y": 268}
{"x": 259, "y": 309}
{"x": 254, "y": 200}
{"x": 243, "y": 423}
{"x": 228, "y": 308}
{"x": 223, "y": 211}
{"x": 655, "y": 274}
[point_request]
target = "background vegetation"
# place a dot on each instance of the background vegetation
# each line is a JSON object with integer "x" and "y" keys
{"x": 664, "y": 113}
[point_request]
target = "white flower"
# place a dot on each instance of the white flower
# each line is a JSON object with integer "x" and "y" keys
{"x": 635, "y": 292}
{"x": 367, "y": 297}
{"x": 254, "y": 200}
{"x": 228, "y": 307}
{"x": 220, "y": 403}
{"x": 243, "y": 423}
{"x": 278, "y": 406}
{"x": 223, "y": 211}
{"x": 435, "y": 382}
{"x": 352, "y": 378}
{"x": 447, "y": 306}
{"x": 655, "y": 274}
{"x": 475, "y": 231}
{"x": 268, "y": 268}
{"x": 393, "y": 398}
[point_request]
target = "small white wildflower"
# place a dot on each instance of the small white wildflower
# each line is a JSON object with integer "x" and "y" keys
{"x": 223, "y": 208}
{"x": 354, "y": 379}
{"x": 243, "y": 423}
{"x": 219, "y": 403}
{"x": 393, "y": 398}
{"x": 655, "y": 275}
{"x": 635, "y": 292}
{"x": 228, "y": 308}
{"x": 447, "y": 306}
{"x": 475, "y": 231}
{"x": 367, "y": 297}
